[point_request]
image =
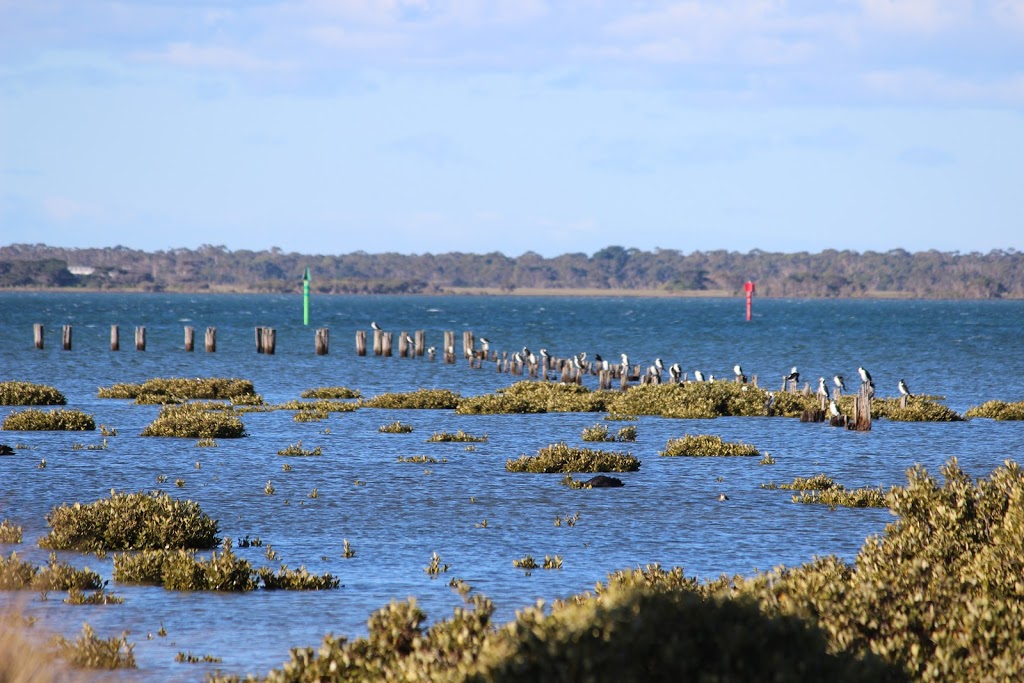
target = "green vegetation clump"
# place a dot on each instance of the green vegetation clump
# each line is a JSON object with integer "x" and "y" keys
{"x": 599, "y": 432}
{"x": 692, "y": 400}
{"x": 130, "y": 521}
{"x": 97, "y": 597}
{"x": 998, "y": 410}
{"x": 318, "y": 406}
{"x": 331, "y": 392}
{"x": 459, "y": 436}
{"x": 918, "y": 409}
{"x": 422, "y": 459}
{"x": 193, "y": 422}
{"x": 90, "y": 651}
{"x": 33, "y": 420}
{"x": 436, "y": 399}
{"x": 296, "y": 449}
{"x": 706, "y": 445}
{"x": 818, "y": 482}
{"x": 9, "y": 532}
{"x": 396, "y": 427}
{"x": 561, "y": 457}
{"x": 180, "y": 389}
{"x": 536, "y": 397}
{"x": 296, "y": 579}
{"x": 14, "y": 393}
{"x": 838, "y": 496}
{"x": 16, "y": 574}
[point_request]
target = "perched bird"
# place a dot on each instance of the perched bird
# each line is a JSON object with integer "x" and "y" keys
{"x": 675, "y": 372}
{"x": 485, "y": 341}
{"x": 625, "y": 361}
{"x": 526, "y": 352}
{"x": 770, "y": 402}
{"x": 833, "y": 409}
{"x": 822, "y": 389}
{"x": 374, "y": 325}
{"x": 737, "y": 370}
{"x": 659, "y": 365}
{"x": 531, "y": 359}
{"x": 904, "y": 390}
{"x": 865, "y": 376}
{"x": 838, "y": 381}
{"x": 597, "y": 358}
{"x": 793, "y": 376}
{"x": 517, "y": 358}
{"x": 410, "y": 341}
{"x": 583, "y": 355}
{"x": 431, "y": 350}
{"x": 698, "y": 376}
{"x": 604, "y": 365}
{"x": 711, "y": 378}
{"x": 723, "y": 497}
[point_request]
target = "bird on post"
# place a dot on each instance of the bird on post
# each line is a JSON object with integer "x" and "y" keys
{"x": 375, "y": 326}
{"x": 822, "y": 389}
{"x": 793, "y": 376}
{"x": 833, "y": 409}
{"x": 738, "y": 371}
{"x": 698, "y": 376}
{"x": 840, "y": 384}
{"x": 675, "y": 372}
{"x": 904, "y": 390}
{"x": 865, "y": 376}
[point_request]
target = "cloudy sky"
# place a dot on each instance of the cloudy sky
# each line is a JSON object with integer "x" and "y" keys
{"x": 333, "y": 126}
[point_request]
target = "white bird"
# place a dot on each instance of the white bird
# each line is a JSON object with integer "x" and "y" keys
{"x": 675, "y": 372}
{"x": 604, "y": 365}
{"x": 532, "y": 359}
{"x": 865, "y": 376}
{"x": 793, "y": 376}
{"x": 833, "y": 409}
{"x": 374, "y": 325}
{"x": 711, "y": 378}
{"x": 659, "y": 364}
{"x": 431, "y": 350}
{"x": 625, "y": 361}
{"x": 737, "y": 370}
{"x": 518, "y": 358}
{"x": 904, "y": 390}
{"x": 838, "y": 381}
{"x": 583, "y": 355}
{"x": 822, "y": 389}
{"x": 698, "y": 376}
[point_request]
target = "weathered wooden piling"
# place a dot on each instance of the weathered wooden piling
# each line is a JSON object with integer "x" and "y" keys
{"x": 449, "y": 346}
{"x": 37, "y": 335}
{"x": 269, "y": 340}
{"x": 115, "y": 338}
{"x": 468, "y": 342}
{"x": 322, "y": 341}
{"x": 403, "y": 344}
{"x": 190, "y": 338}
{"x": 903, "y": 401}
{"x": 65, "y": 338}
{"x": 360, "y": 342}
{"x": 861, "y": 410}
{"x": 421, "y": 342}
{"x": 140, "y": 338}
{"x": 378, "y": 342}
{"x": 813, "y": 415}
{"x": 259, "y": 340}
{"x": 385, "y": 344}
{"x": 211, "y": 339}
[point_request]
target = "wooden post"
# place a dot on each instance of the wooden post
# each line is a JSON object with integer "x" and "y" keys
{"x": 403, "y": 344}
{"x": 269, "y": 340}
{"x": 115, "y": 338}
{"x": 421, "y": 342}
{"x": 321, "y": 341}
{"x": 468, "y": 342}
{"x": 259, "y": 340}
{"x": 140, "y": 338}
{"x": 378, "y": 342}
{"x": 211, "y": 339}
{"x": 385, "y": 344}
{"x": 37, "y": 335}
{"x": 449, "y": 346}
{"x": 862, "y": 410}
{"x": 360, "y": 342}
{"x": 66, "y": 337}
{"x": 903, "y": 401}
{"x": 190, "y": 338}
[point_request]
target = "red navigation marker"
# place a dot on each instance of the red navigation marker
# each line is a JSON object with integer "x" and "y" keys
{"x": 749, "y": 289}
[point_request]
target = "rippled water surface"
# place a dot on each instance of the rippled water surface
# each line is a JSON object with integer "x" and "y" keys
{"x": 668, "y": 512}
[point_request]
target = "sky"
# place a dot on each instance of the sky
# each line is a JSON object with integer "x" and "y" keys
{"x": 432, "y": 126}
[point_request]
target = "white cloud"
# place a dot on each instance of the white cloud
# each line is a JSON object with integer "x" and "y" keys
{"x": 194, "y": 56}
{"x": 65, "y": 210}
{"x": 923, "y": 84}
{"x": 917, "y": 15}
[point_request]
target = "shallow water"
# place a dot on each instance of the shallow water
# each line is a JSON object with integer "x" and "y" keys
{"x": 668, "y": 512}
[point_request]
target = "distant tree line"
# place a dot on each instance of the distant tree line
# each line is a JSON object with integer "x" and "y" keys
{"x": 830, "y": 273}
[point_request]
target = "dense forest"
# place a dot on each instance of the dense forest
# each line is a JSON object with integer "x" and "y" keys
{"x": 932, "y": 274}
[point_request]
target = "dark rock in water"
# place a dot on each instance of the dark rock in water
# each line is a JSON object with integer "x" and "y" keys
{"x": 603, "y": 482}
{"x": 6, "y": 450}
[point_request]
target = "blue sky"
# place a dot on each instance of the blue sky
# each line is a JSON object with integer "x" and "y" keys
{"x": 414, "y": 126}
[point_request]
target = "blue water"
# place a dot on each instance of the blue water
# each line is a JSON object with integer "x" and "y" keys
{"x": 668, "y": 512}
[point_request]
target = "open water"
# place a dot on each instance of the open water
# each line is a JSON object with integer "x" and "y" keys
{"x": 668, "y": 512}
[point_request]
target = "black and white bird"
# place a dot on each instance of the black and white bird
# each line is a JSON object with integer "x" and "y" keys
{"x": 675, "y": 372}
{"x": 531, "y": 359}
{"x": 698, "y": 376}
{"x": 904, "y": 390}
{"x": 583, "y": 356}
{"x": 737, "y": 370}
{"x": 711, "y": 378}
{"x": 485, "y": 343}
{"x": 793, "y": 376}
{"x": 431, "y": 350}
{"x": 865, "y": 376}
{"x": 838, "y": 381}
{"x": 822, "y": 389}
{"x": 597, "y": 358}
{"x": 625, "y": 361}
{"x": 770, "y": 402}
{"x": 517, "y": 358}
{"x": 526, "y": 352}
{"x": 659, "y": 365}
{"x": 410, "y": 341}
{"x": 577, "y": 363}
{"x": 374, "y": 325}
{"x": 833, "y": 409}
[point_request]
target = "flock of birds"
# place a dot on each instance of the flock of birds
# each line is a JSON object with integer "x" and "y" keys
{"x": 581, "y": 363}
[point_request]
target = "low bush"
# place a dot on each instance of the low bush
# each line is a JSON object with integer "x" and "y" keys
{"x": 14, "y": 393}
{"x": 436, "y": 399}
{"x": 395, "y": 427}
{"x": 296, "y": 579}
{"x": 32, "y": 420}
{"x": 90, "y": 651}
{"x": 998, "y": 410}
{"x": 130, "y": 521}
{"x": 536, "y": 397}
{"x": 179, "y": 389}
{"x": 330, "y": 392}
{"x": 918, "y": 410}
{"x": 182, "y": 570}
{"x": 17, "y": 574}
{"x": 840, "y": 497}
{"x": 193, "y": 422}
{"x": 600, "y": 432}
{"x": 706, "y": 445}
{"x": 297, "y": 450}
{"x": 459, "y": 436}
{"x": 561, "y": 457}
{"x": 9, "y": 533}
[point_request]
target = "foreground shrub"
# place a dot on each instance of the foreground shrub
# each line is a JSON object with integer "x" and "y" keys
{"x": 17, "y": 574}
{"x": 92, "y": 652}
{"x": 130, "y": 521}
{"x": 330, "y": 392}
{"x": 838, "y": 496}
{"x": 998, "y": 410}
{"x": 706, "y": 445}
{"x": 193, "y": 422}
{"x": 32, "y": 420}
{"x": 179, "y": 389}
{"x": 561, "y": 457}
{"x": 438, "y": 399}
{"x": 536, "y": 397}
{"x": 14, "y": 393}
{"x": 9, "y": 533}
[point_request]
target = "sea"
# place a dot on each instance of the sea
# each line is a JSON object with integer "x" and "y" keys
{"x": 477, "y": 517}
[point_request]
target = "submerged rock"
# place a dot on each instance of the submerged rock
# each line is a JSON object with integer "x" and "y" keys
{"x": 6, "y": 450}
{"x": 602, "y": 482}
